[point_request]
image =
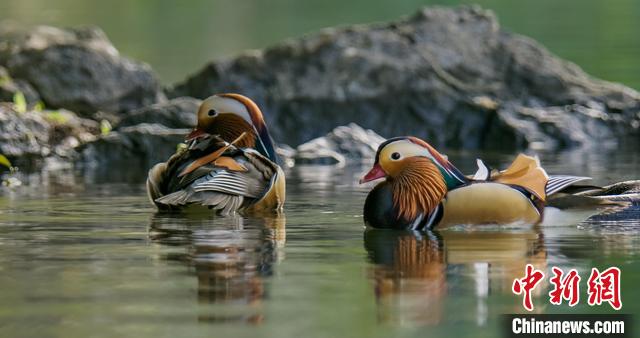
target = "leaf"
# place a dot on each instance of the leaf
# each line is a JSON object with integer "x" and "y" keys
{"x": 19, "y": 102}
{"x": 5, "y": 161}
{"x": 57, "y": 117}
{"x": 39, "y": 106}
{"x": 105, "y": 127}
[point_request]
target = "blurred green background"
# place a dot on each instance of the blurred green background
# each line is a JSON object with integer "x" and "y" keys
{"x": 178, "y": 37}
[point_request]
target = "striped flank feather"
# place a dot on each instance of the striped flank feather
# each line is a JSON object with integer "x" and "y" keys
{"x": 558, "y": 182}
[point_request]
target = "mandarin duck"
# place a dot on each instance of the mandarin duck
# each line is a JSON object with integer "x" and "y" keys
{"x": 228, "y": 165}
{"x": 423, "y": 190}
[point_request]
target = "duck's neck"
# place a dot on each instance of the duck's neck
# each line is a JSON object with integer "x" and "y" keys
{"x": 231, "y": 127}
{"x": 418, "y": 189}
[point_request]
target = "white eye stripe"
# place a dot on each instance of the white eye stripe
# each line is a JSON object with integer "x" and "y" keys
{"x": 220, "y": 104}
{"x": 406, "y": 149}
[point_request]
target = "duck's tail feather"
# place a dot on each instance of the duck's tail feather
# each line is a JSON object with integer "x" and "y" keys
{"x": 568, "y": 195}
{"x": 180, "y": 197}
{"x": 155, "y": 181}
{"x": 627, "y": 190}
{"x": 225, "y": 204}
{"x": 569, "y": 201}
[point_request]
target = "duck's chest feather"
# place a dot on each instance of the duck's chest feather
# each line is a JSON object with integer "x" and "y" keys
{"x": 379, "y": 211}
{"x": 488, "y": 203}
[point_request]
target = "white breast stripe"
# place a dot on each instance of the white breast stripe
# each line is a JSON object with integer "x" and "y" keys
{"x": 432, "y": 217}
{"x": 417, "y": 222}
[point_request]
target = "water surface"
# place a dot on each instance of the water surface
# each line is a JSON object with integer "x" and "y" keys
{"x": 82, "y": 256}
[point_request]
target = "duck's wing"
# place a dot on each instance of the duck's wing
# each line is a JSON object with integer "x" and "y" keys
{"x": 587, "y": 200}
{"x": 558, "y": 183}
{"x": 522, "y": 166}
{"x": 228, "y": 185}
{"x": 525, "y": 172}
{"x": 623, "y": 190}
{"x": 273, "y": 196}
{"x": 163, "y": 177}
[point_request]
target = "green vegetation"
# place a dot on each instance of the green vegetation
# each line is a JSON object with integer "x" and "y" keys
{"x": 105, "y": 127}
{"x": 19, "y": 102}
{"x": 56, "y": 116}
{"x": 4, "y": 161}
{"x": 39, "y": 106}
{"x": 21, "y": 106}
{"x": 10, "y": 181}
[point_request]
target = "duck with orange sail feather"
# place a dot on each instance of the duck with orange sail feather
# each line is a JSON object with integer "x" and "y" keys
{"x": 423, "y": 190}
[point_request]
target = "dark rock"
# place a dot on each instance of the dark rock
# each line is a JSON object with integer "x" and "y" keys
{"x": 78, "y": 69}
{"x": 31, "y": 138}
{"x": 23, "y": 136}
{"x": 69, "y": 131}
{"x": 343, "y": 144}
{"x": 177, "y": 113}
{"x": 135, "y": 148}
{"x": 451, "y": 76}
{"x": 9, "y": 87}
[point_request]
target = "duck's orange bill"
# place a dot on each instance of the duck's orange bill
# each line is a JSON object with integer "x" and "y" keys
{"x": 375, "y": 173}
{"x": 194, "y": 134}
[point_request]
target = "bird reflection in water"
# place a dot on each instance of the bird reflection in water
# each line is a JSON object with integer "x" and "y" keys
{"x": 230, "y": 261}
{"x": 411, "y": 271}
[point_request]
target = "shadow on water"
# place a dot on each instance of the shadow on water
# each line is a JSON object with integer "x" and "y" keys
{"x": 231, "y": 263}
{"x": 414, "y": 272}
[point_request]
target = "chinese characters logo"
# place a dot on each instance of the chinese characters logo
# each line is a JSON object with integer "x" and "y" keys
{"x": 602, "y": 287}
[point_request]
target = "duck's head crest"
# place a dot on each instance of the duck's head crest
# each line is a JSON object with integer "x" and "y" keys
{"x": 396, "y": 154}
{"x": 229, "y": 115}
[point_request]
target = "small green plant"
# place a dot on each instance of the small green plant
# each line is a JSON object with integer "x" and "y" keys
{"x": 19, "y": 102}
{"x": 105, "y": 127}
{"x": 4, "y": 161}
{"x": 39, "y": 106}
{"x": 56, "y": 116}
{"x": 11, "y": 181}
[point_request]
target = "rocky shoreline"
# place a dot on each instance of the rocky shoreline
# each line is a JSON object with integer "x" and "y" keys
{"x": 449, "y": 75}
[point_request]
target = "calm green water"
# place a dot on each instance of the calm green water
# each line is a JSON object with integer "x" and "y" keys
{"x": 178, "y": 37}
{"x": 85, "y": 256}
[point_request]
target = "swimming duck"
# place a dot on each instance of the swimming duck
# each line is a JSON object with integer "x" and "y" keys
{"x": 423, "y": 190}
{"x": 228, "y": 165}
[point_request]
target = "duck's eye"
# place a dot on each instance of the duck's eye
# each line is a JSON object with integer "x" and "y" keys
{"x": 395, "y": 156}
{"x": 212, "y": 112}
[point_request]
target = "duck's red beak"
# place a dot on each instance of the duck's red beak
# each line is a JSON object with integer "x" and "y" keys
{"x": 375, "y": 173}
{"x": 194, "y": 134}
